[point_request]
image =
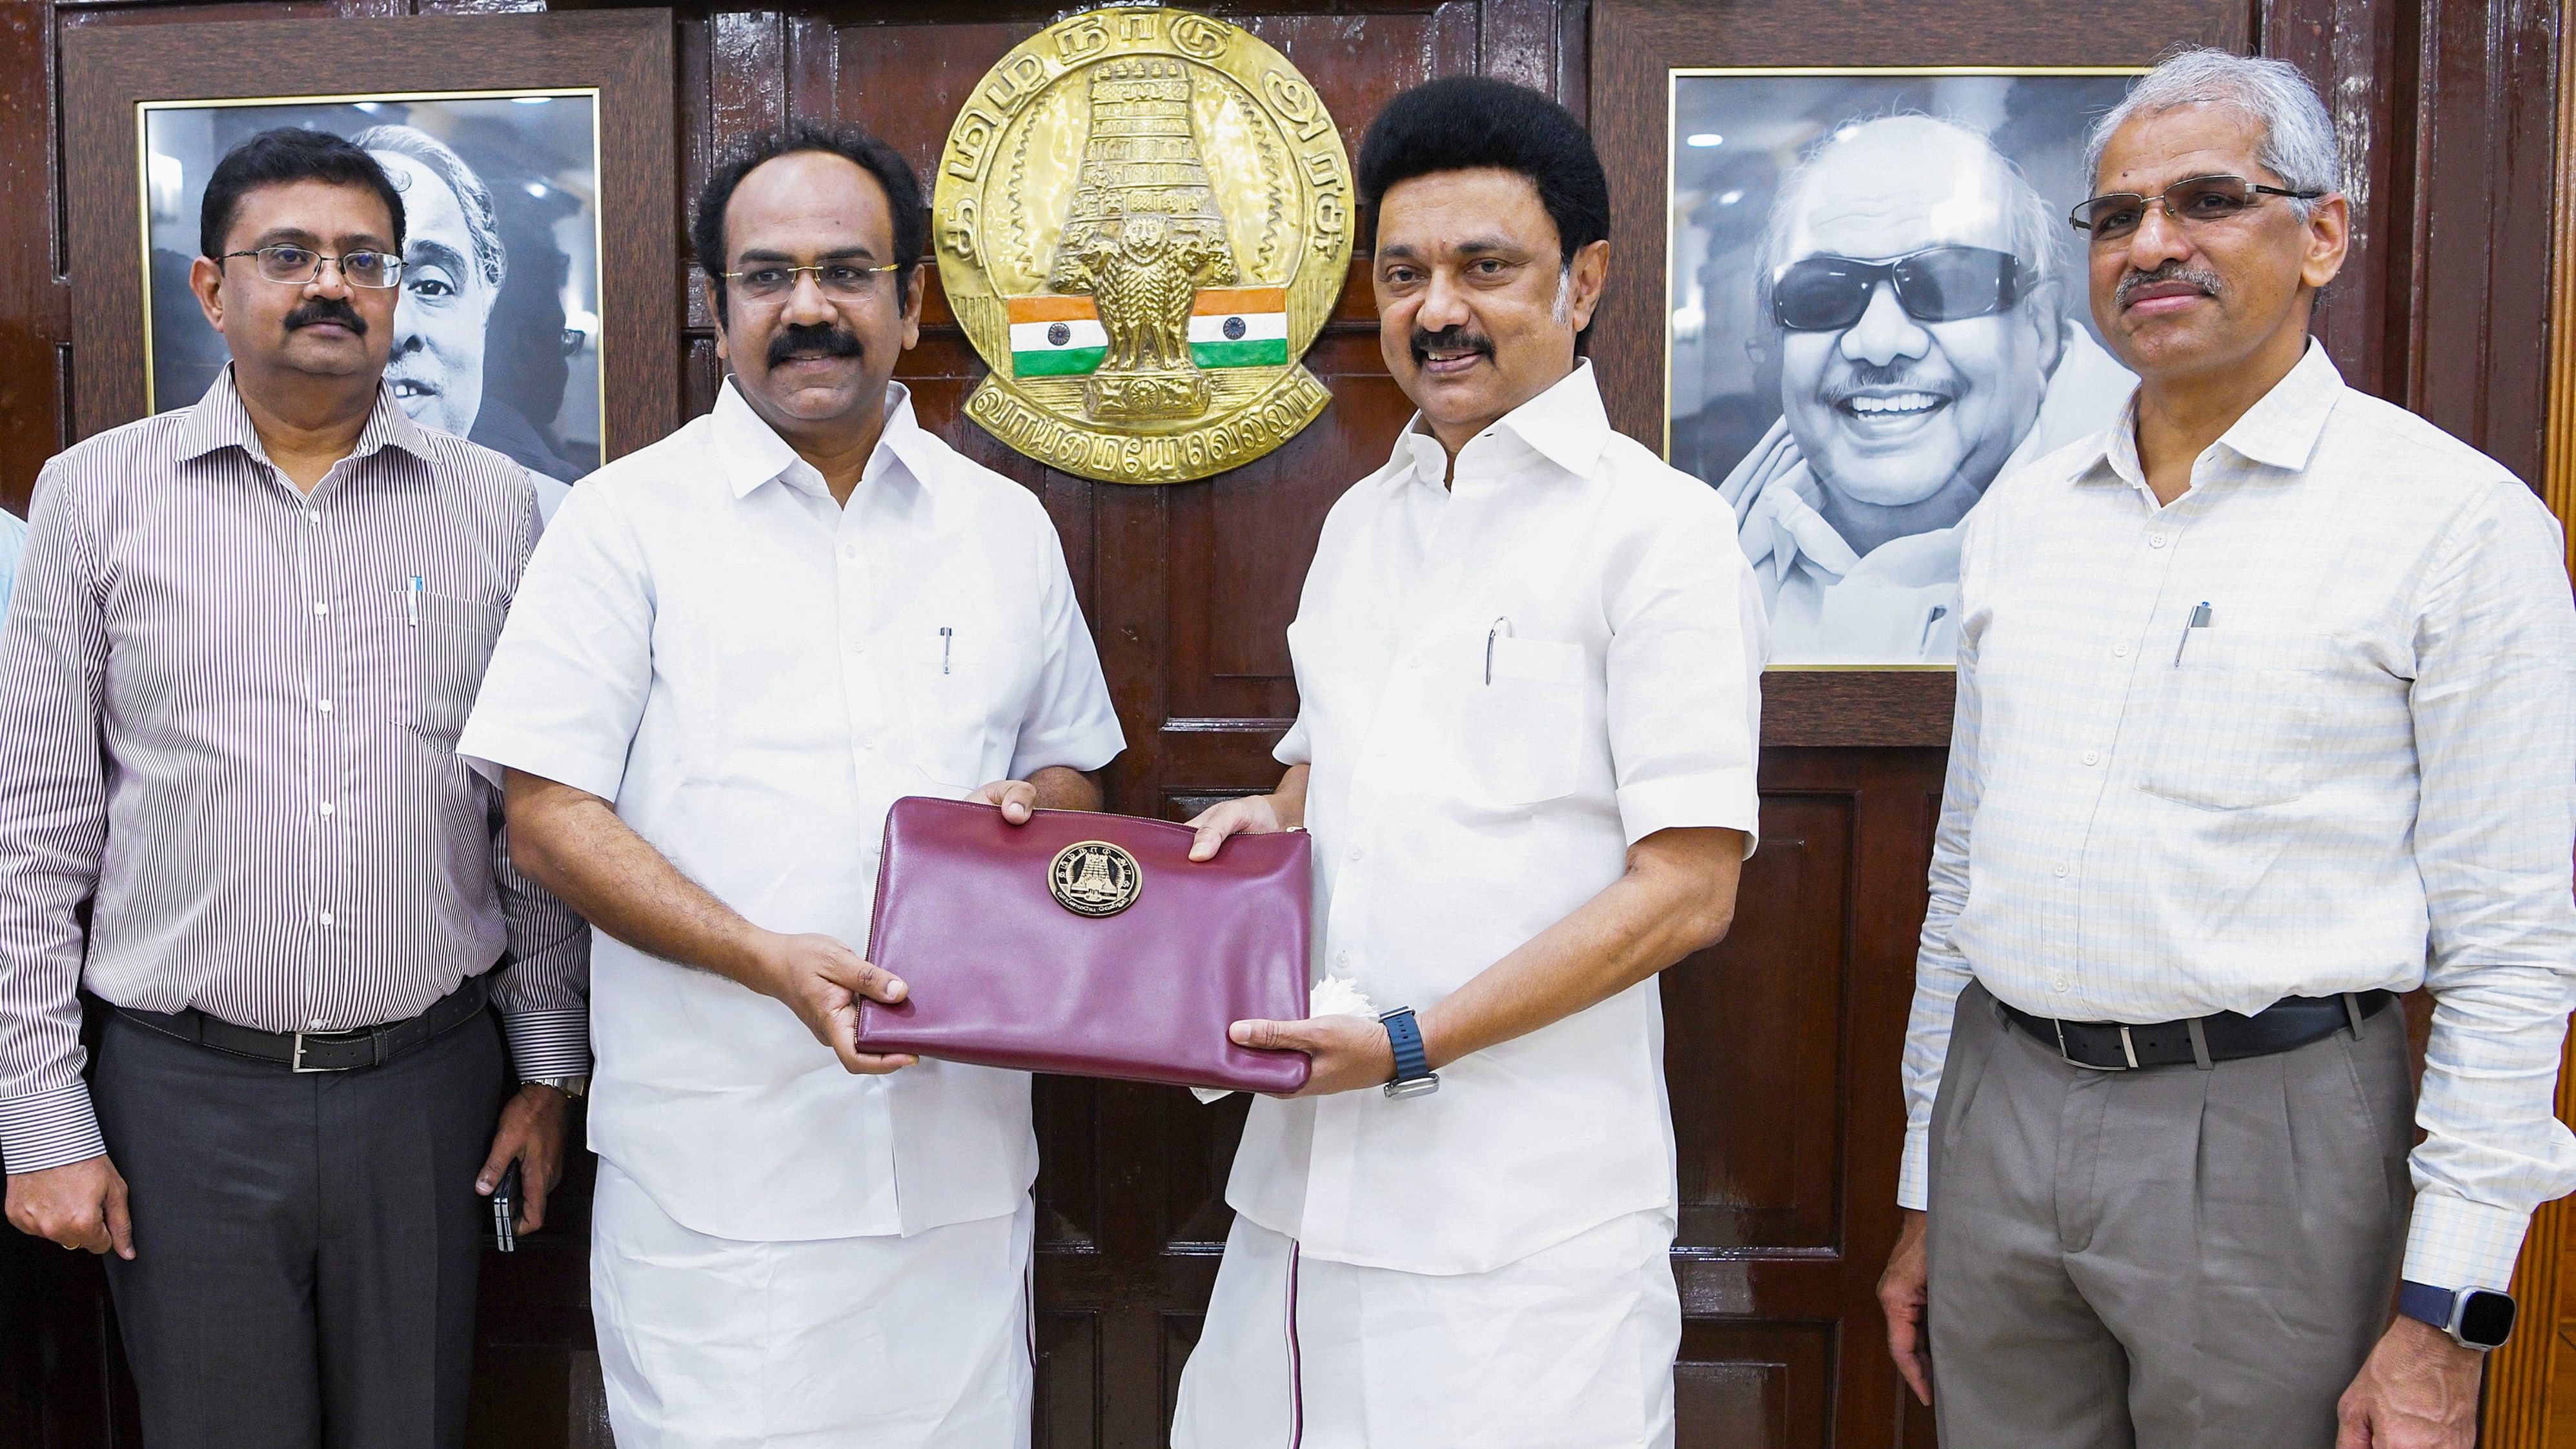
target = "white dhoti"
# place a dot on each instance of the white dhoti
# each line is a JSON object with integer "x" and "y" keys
{"x": 1569, "y": 1348}
{"x": 918, "y": 1342}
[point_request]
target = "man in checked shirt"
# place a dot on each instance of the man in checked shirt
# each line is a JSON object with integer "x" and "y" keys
{"x": 2267, "y": 711}
{"x": 231, "y": 681}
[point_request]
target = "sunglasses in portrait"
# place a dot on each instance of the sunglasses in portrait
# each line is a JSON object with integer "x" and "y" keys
{"x": 1937, "y": 284}
{"x": 295, "y": 266}
{"x": 2192, "y": 201}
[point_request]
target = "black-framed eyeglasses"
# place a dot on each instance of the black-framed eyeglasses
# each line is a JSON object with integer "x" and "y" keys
{"x": 1937, "y": 284}
{"x": 2192, "y": 201}
{"x": 296, "y": 266}
{"x": 846, "y": 281}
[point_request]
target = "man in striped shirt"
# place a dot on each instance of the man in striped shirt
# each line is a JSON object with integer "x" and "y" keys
{"x": 246, "y": 636}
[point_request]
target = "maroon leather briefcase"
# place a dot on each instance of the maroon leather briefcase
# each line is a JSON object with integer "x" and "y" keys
{"x": 1089, "y": 945}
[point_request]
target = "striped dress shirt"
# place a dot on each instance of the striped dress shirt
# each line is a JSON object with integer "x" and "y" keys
{"x": 2359, "y": 771}
{"x": 228, "y": 718}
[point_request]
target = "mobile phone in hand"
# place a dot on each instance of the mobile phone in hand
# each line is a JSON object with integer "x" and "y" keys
{"x": 505, "y": 1209}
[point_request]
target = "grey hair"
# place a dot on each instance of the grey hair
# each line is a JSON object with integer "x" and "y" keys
{"x": 2034, "y": 229}
{"x": 2298, "y": 133}
{"x": 482, "y": 224}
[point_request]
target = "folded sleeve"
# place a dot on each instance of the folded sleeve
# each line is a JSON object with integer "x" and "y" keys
{"x": 1684, "y": 687}
{"x": 1070, "y": 720}
{"x": 568, "y": 679}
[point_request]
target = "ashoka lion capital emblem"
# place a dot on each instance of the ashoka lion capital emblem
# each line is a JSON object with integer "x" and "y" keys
{"x": 1143, "y": 218}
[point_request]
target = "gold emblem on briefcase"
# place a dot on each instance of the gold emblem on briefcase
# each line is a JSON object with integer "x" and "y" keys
{"x": 1095, "y": 878}
{"x": 1143, "y": 219}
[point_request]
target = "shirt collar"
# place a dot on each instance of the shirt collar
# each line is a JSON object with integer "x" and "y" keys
{"x": 2279, "y": 431}
{"x": 751, "y": 452}
{"x": 218, "y": 420}
{"x": 1565, "y": 425}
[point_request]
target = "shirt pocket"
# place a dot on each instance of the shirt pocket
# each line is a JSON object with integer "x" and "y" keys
{"x": 949, "y": 677}
{"x": 446, "y": 644}
{"x": 2240, "y": 720}
{"x": 1520, "y": 725}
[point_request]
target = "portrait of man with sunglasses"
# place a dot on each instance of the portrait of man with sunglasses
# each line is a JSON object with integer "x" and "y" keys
{"x": 1912, "y": 292}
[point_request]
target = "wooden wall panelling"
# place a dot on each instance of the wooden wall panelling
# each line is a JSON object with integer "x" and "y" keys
{"x": 2478, "y": 288}
{"x": 2358, "y": 54}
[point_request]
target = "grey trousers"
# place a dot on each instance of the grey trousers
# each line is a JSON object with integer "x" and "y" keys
{"x": 2169, "y": 1258}
{"x": 305, "y": 1247}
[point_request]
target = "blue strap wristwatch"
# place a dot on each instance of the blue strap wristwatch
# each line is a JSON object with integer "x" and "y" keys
{"x": 1413, "y": 1074}
{"x": 2478, "y": 1318}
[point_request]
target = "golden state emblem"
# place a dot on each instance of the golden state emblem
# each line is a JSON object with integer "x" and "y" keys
{"x": 1095, "y": 878}
{"x": 1143, "y": 217}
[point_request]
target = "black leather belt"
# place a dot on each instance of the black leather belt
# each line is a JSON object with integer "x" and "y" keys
{"x": 320, "y": 1051}
{"x": 2293, "y": 1021}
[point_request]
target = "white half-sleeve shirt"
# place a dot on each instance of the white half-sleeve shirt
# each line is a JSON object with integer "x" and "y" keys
{"x": 752, "y": 676}
{"x": 1503, "y": 685}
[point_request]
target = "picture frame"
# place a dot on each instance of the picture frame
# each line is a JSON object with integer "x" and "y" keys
{"x": 124, "y": 87}
{"x": 1852, "y": 424}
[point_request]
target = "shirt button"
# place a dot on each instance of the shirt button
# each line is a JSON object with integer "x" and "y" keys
{"x": 2092, "y": 757}
{"x": 2120, "y": 651}
{"x": 2061, "y": 869}
{"x": 326, "y": 807}
{"x": 1356, "y": 852}
{"x": 2155, "y": 540}
{"x": 2059, "y": 984}
{"x": 323, "y": 705}
{"x": 1415, "y": 662}
{"x": 850, "y": 551}
{"x": 321, "y": 608}
{"x": 867, "y": 744}
{"x": 314, "y": 1025}
{"x": 326, "y": 918}
{"x": 313, "y": 515}
{"x": 1343, "y": 959}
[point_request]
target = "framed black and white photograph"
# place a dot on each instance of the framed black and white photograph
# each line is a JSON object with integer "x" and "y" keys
{"x": 1875, "y": 309}
{"x": 497, "y": 329}
{"x": 541, "y": 311}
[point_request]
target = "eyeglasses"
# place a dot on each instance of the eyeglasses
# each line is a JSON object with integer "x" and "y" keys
{"x": 2193, "y": 201}
{"x": 843, "y": 281}
{"x": 296, "y": 266}
{"x": 1937, "y": 284}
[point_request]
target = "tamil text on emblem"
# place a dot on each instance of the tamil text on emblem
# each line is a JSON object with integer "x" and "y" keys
{"x": 1143, "y": 217}
{"x": 1095, "y": 878}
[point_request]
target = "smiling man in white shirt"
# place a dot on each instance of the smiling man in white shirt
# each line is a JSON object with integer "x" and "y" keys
{"x": 735, "y": 650}
{"x": 2267, "y": 711}
{"x": 1528, "y": 659}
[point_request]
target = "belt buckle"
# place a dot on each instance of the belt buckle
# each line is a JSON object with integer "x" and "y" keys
{"x": 2128, "y": 1049}
{"x": 296, "y": 1063}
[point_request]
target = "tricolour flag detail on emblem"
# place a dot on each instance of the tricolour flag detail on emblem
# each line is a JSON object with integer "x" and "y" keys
{"x": 1055, "y": 337}
{"x": 1240, "y": 327}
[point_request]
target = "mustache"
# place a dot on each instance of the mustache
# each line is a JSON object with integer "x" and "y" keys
{"x": 812, "y": 339}
{"x": 1450, "y": 339}
{"x": 2174, "y": 271}
{"x": 1902, "y": 375}
{"x": 327, "y": 309}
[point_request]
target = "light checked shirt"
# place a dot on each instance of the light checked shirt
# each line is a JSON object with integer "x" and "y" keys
{"x": 751, "y": 674}
{"x": 1503, "y": 684}
{"x": 2361, "y": 773}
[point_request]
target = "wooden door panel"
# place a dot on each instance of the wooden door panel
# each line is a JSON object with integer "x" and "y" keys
{"x": 1753, "y": 1046}
{"x": 1747, "y": 1387}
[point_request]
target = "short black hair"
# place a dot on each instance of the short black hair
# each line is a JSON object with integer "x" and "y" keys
{"x": 875, "y": 157}
{"x": 282, "y": 157}
{"x": 1471, "y": 122}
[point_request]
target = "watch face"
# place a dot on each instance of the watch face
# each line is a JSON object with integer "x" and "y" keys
{"x": 2486, "y": 1319}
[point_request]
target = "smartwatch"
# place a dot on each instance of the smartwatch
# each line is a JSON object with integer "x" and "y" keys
{"x": 2478, "y": 1318}
{"x": 1413, "y": 1074}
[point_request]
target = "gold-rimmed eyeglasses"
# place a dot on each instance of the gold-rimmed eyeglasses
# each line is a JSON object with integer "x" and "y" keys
{"x": 844, "y": 281}
{"x": 2192, "y": 201}
{"x": 295, "y": 266}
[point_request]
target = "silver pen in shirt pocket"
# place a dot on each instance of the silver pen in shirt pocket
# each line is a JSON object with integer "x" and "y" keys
{"x": 2199, "y": 620}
